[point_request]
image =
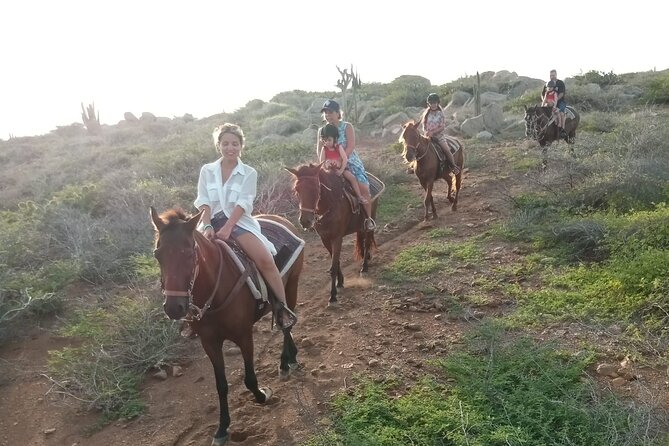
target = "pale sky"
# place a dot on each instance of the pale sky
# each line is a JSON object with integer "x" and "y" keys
{"x": 207, "y": 57}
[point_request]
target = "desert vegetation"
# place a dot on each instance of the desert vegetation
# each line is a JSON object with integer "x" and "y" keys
{"x": 589, "y": 235}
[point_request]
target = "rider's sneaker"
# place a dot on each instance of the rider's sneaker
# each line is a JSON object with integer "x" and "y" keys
{"x": 370, "y": 224}
{"x": 563, "y": 133}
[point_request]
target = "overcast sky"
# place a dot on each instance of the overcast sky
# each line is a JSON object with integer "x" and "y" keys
{"x": 206, "y": 57}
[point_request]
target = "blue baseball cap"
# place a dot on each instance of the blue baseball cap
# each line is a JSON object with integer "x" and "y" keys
{"x": 330, "y": 105}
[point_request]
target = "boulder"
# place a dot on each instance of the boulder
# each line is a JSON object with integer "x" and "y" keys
{"x": 128, "y": 116}
{"x": 484, "y": 135}
{"x": 471, "y": 126}
{"x": 493, "y": 117}
{"x": 147, "y": 117}
{"x": 397, "y": 118}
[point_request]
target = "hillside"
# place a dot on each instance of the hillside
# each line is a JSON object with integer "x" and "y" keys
{"x": 574, "y": 259}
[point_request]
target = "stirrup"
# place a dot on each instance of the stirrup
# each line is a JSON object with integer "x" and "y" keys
{"x": 281, "y": 319}
{"x": 370, "y": 224}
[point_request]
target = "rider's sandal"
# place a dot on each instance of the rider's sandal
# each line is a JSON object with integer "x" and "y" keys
{"x": 363, "y": 200}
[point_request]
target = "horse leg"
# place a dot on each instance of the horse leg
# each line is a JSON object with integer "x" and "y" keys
{"x": 364, "y": 239}
{"x": 214, "y": 350}
{"x": 250, "y": 379}
{"x": 458, "y": 182}
{"x": 430, "y": 186}
{"x": 449, "y": 182}
{"x": 335, "y": 271}
{"x": 288, "y": 355}
{"x": 544, "y": 161}
{"x": 289, "y": 352}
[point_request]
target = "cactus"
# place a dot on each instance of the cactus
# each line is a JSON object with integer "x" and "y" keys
{"x": 353, "y": 79}
{"x": 90, "y": 119}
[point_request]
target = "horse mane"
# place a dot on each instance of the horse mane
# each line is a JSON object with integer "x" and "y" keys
{"x": 404, "y": 127}
{"x": 174, "y": 215}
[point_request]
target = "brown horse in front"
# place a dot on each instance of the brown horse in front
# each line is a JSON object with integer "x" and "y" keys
{"x": 202, "y": 284}
{"x": 421, "y": 152}
{"x": 324, "y": 208}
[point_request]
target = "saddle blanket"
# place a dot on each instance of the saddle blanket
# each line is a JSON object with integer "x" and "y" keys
{"x": 288, "y": 249}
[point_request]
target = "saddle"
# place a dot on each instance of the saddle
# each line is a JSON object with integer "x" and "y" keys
{"x": 288, "y": 247}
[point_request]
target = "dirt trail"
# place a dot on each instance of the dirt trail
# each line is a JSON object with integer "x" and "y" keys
{"x": 373, "y": 330}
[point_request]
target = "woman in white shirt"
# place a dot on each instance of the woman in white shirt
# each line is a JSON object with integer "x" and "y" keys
{"x": 225, "y": 192}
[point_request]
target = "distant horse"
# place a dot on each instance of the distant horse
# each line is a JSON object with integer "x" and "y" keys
{"x": 422, "y": 152}
{"x": 324, "y": 207}
{"x": 541, "y": 125}
{"x": 202, "y": 284}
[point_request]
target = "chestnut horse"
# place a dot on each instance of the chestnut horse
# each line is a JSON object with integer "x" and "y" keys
{"x": 202, "y": 284}
{"x": 420, "y": 151}
{"x": 324, "y": 208}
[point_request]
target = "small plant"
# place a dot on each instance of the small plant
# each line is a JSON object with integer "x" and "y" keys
{"x": 119, "y": 346}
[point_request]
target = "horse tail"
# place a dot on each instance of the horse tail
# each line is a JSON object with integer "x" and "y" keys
{"x": 359, "y": 249}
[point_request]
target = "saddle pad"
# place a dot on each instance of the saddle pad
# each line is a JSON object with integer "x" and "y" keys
{"x": 288, "y": 245}
{"x": 570, "y": 113}
{"x": 453, "y": 144}
{"x": 288, "y": 248}
{"x": 376, "y": 186}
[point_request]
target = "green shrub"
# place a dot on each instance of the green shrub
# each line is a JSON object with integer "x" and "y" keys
{"x": 494, "y": 392}
{"x": 600, "y": 78}
{"x": 658, "y": 90}
{"x": 118, "y": 346}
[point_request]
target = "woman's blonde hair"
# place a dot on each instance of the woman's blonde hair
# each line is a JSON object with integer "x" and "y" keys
{"x": 227, "y": 128}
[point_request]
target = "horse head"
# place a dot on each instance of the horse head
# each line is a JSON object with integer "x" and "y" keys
{"x": 411, "y": 139}
{"x": 308, "y": 190}
{"x": 177, "y": 255}
{"x": 531, "y": 122}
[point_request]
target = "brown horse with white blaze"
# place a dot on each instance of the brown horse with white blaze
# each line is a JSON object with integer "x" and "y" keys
{"x": 421, "y": 152}
{"x": 202, "y": 284}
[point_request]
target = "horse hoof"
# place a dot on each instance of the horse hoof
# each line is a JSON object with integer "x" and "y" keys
{"x": 267, "y": 392}
{"x": 293, "y": 367}
{"x": 333, "y": 304}
{"x": 220, "y": 441}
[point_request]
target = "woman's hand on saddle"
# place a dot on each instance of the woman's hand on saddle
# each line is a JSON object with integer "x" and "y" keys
{"x": 224, "y": 232}
{"x": 208, "y": 232}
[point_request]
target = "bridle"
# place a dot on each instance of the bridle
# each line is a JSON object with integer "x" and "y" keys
{"x": 196, "y": 313}
{"x": 536, "y": 130}
{"x": 415, "y": 148}
{"x": 317, "y": 183}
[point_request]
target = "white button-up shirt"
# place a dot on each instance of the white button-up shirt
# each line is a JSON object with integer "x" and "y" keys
{"x": 239, "y": 190}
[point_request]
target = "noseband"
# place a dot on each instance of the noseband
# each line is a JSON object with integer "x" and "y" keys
{"x": 319, "y": 185}
{"x": 194, "y": 312}
{"x": 418, "y": 156}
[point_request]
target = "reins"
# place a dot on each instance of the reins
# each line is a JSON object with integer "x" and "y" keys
{"x": 196, "y": 313}
{"x": 315, "y": 211}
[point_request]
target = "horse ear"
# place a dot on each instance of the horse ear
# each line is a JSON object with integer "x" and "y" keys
{"x": 291, "y": 170}
{"x": 158, "y": 223}
{"x": 194, "y": 220}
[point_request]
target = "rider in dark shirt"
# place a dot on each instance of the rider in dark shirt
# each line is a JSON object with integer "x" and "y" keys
{"x": 561, "y": 103}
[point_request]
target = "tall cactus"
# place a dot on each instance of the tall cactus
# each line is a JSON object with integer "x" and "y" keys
{"x": 347, "y": 79}
{"x": 90, "y": 119}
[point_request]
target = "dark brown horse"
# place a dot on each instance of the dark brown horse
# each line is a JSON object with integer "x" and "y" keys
{"x": 202, "y": 284}
{"x": 541, "y": 125}
{"x": 421, "y": 152}
{"x": 324, "y": 208}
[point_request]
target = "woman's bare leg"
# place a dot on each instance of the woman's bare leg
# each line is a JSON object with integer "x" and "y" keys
{"x": 258, "y": 252}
